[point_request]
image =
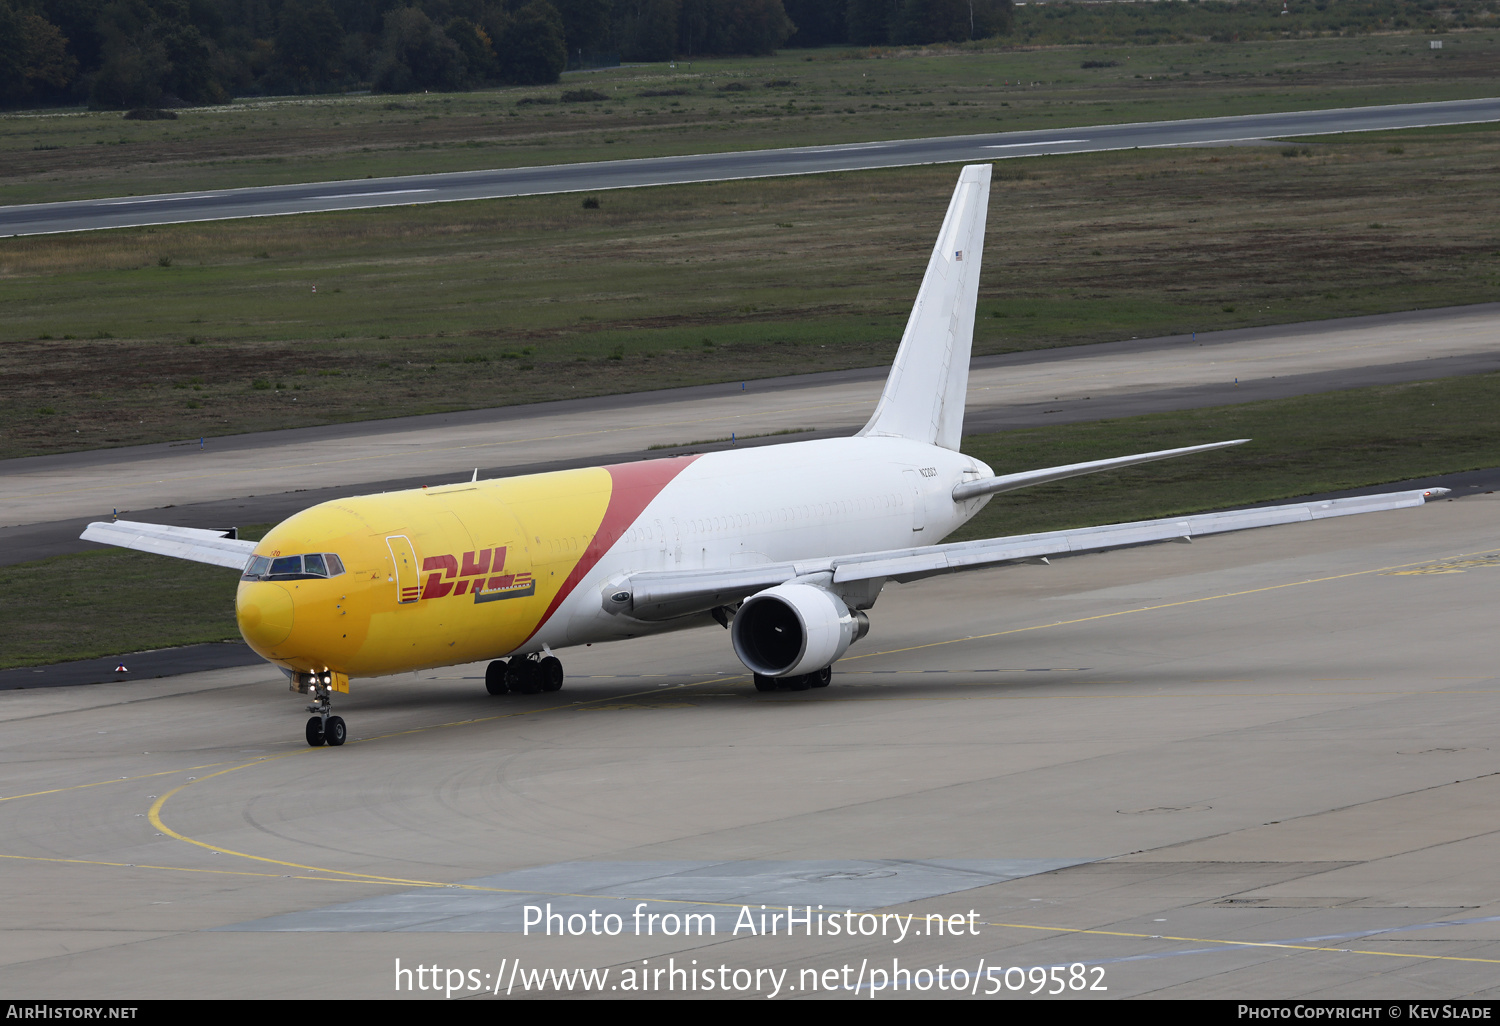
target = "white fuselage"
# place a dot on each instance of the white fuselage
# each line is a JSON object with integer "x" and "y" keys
{"x": 776, "y": 504}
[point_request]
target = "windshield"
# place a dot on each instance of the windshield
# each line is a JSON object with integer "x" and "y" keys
{"x": 293, "y": 568}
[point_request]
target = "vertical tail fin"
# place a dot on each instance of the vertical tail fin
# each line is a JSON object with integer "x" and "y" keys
{"x": 924, "y": 396}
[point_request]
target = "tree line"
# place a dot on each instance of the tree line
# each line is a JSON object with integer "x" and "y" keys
{"x": 143, "y": 53}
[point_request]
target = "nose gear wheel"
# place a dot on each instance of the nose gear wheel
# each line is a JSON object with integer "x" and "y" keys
{"x": 322, "y": 729}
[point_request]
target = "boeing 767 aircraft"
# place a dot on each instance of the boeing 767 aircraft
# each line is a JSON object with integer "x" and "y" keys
{"x": 786, "y": 545}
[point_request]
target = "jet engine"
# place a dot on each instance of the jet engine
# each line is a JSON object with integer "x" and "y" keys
{"x": 794, "y": 629}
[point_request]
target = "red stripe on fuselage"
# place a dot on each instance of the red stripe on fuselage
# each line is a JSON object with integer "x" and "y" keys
{"x": 633, "y": 487}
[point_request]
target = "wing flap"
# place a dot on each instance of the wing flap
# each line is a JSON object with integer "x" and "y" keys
{"x": 196, "y": 544}
{"x": 662, "y": 595}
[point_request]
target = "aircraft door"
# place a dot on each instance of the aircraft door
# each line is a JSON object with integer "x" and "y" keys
{"x": 918, "y": 499}
{"x": 407, "y": 576}
{"x": 671, "y": 543}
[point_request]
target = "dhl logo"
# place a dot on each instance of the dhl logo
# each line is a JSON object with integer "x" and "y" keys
{"x": 446, "y": 577}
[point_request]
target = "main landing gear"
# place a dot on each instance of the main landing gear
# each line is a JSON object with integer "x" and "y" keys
{"x": 799, "y": 682}
{"x": 322, "y": 729}
{"x": 524, "y": 675}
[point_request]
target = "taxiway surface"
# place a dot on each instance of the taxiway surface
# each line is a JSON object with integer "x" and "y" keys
{"x": 45, "y": 502}
{"x": 1258, "y": 766}
{"x": 81, "y": 215}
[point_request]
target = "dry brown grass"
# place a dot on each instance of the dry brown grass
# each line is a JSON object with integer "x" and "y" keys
{"x": 479, "y": 304}
{"x": 836, "y": 96}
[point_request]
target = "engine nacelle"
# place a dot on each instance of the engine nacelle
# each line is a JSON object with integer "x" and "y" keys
{"x": 794, "y": 628}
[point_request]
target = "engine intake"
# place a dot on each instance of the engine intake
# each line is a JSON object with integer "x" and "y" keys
{"x": 794, "y": 628}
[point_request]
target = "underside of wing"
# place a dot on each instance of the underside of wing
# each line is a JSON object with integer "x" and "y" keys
{"x": 219, "y": 548}
{"x": 667, "y": 594}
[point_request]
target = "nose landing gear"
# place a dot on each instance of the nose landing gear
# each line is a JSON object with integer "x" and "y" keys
{"x": 322, "y": 729}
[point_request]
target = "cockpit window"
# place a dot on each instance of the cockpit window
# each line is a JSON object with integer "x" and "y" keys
{"x": 293, "y": 568}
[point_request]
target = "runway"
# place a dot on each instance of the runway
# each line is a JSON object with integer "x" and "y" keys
{"x": 1257, "y": 766}
{"x": 265, "y": 477}
{"x": 123, "y": 212}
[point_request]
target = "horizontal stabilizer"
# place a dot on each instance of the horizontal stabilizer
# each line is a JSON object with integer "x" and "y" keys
{"x": 1025, "y": 479}
{"x": 192, "y": 543}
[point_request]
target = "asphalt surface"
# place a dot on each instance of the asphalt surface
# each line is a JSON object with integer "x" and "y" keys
{"x": 161, "y": 662}
{"x": 1095, "y": 387}
{"x": 171, "y": 662}
{"x": 171, "y": 208}
{"x": 1260, "y": 766}
{"x": 45, "y": 502}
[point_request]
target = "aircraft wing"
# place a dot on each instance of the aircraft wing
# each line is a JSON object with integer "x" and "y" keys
{"x": 662, "y": 595}
{"x": 196, "y": 544}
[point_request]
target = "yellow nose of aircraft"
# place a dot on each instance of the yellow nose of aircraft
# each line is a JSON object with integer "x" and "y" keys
{"x": 264, "y": 611}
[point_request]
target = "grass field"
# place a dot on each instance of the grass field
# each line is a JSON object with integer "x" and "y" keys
{"x": 1306, "y": 445}
{"x": 795, "y": 98}
{"x": 114, "y": 601}
{"x": 141, "y": 335}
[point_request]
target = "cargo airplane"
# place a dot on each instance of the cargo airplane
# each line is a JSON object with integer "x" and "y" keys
{"x": 786, "y": 545}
